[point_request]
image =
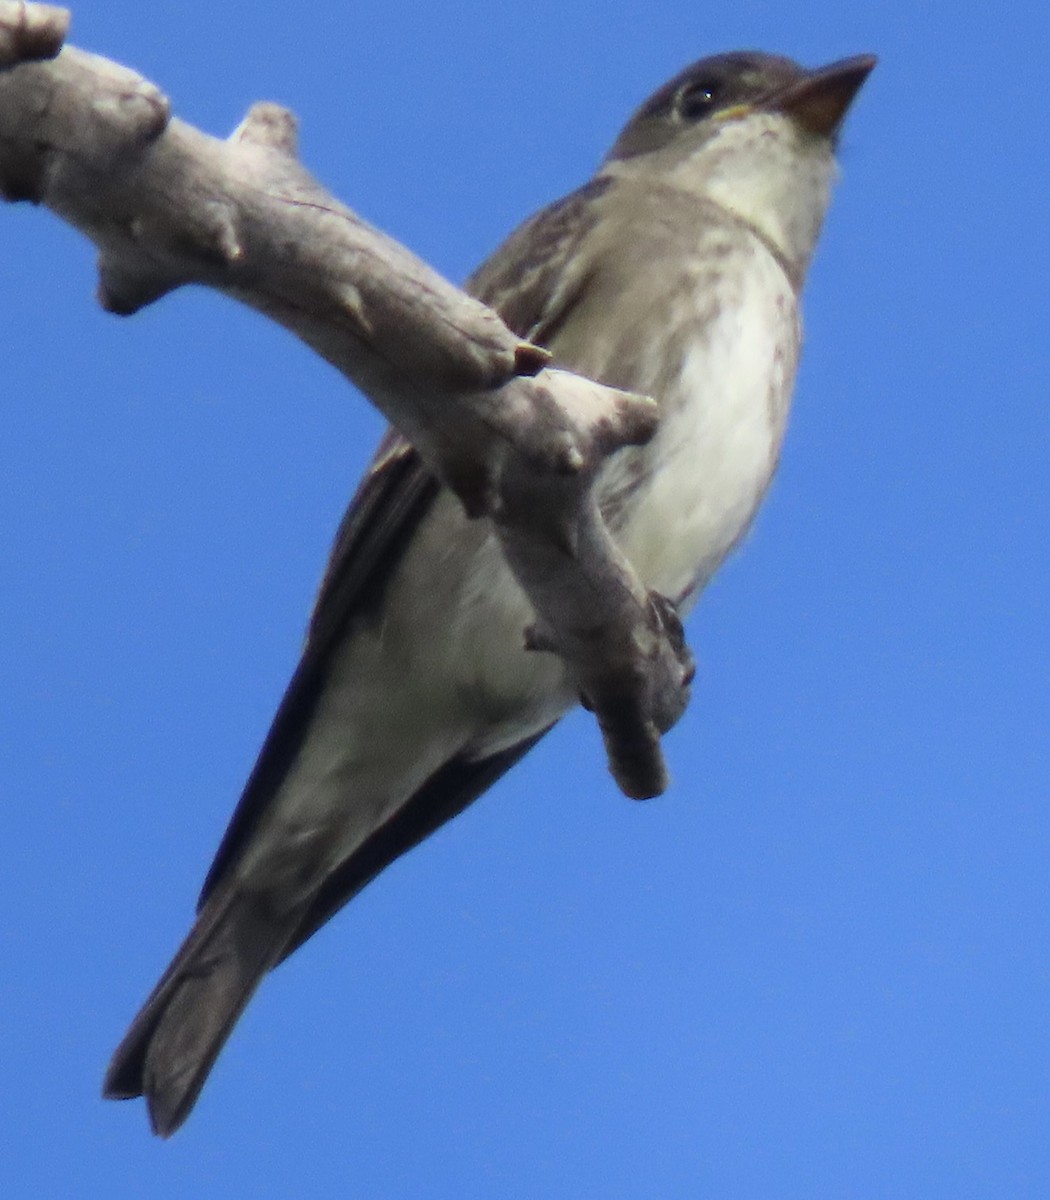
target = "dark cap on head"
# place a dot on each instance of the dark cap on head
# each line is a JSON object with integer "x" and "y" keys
{"x": 744, "y": 79}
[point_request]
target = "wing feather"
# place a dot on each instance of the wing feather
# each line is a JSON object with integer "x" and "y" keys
{"x": 527, "y": 284}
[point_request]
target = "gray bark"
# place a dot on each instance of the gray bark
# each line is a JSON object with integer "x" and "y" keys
{"x": 518, "y": 442}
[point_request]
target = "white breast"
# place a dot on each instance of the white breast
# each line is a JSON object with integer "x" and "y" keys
{"x": 719, "y": 438}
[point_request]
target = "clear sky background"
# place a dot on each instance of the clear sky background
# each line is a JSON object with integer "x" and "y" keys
{"x": 820, "y": 965}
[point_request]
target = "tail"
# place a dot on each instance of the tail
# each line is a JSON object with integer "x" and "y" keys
{"x": 173, "y": 1043}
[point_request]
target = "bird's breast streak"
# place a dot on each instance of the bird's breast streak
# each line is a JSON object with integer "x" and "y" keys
{"x": 720, "y": 431}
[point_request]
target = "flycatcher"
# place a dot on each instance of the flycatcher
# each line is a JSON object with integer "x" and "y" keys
{"x": 674, "y": 272}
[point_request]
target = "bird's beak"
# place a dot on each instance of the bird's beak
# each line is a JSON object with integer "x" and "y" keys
{"x": 819, "y": 101}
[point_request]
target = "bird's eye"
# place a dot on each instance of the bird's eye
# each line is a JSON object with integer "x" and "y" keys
{"x": 696, "y": 100}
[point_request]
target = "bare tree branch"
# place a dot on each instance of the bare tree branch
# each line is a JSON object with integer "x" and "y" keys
{"x": 31, "y": 31}
{"x": 518, "y": 442}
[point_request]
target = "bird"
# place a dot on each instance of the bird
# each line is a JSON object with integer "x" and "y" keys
{"x": 675, "y": 272}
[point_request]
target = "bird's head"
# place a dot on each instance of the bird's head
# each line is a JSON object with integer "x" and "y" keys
{"x": 754, "y": 132}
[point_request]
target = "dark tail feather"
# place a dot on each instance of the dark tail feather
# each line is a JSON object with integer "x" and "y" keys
{"x": 174, "y": 1041}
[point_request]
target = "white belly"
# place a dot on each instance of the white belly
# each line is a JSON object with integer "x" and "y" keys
{"x": 720, "y": 433}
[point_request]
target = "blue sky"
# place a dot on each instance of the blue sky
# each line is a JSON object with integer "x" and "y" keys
{"x": 818, "y": 967}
